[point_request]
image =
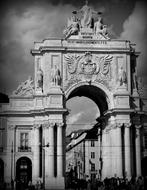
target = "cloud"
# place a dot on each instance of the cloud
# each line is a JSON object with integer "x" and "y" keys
{"x": 74, "y": 118}
{"x": 135, "y": 30}
{"x": 83, "y": 113}
{"x": 19, "y": 31}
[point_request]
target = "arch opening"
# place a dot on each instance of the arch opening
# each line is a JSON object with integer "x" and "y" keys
{"x": 92, "y": 92}
{"x": 84, "y": 134}
{"x": 24, "y": 170}
{"x": 1, "y": 170}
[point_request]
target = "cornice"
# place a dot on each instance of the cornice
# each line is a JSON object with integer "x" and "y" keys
{"x": 119, "y": 110}
{"x": 31, "y": 113}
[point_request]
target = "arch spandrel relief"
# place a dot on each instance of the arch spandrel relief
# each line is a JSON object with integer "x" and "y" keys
{"x": 87, "y": 67}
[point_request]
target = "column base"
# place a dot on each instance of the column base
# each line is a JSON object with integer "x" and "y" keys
{"x": 54, "y": 183}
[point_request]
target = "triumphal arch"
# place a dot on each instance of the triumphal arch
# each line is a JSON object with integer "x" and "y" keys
{"x": 87, "y": 62}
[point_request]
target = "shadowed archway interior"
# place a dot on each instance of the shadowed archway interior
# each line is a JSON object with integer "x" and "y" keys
{"x": 94, "y": 93}
{"x": 24, "y": 170}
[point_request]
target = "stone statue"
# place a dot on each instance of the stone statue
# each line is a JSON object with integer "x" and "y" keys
{"x": 87, "y": 15}
{"x": 99, "y": 28}
{"x": 40, "y": 78}
{"x": 55, "y": 76}
{"x": 122, "y": 77}
{"x": 72, "y": 26}
{"x": 24, "y": 87}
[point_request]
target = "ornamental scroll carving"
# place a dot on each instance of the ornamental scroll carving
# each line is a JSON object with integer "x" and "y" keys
{"x": 87, "y": 67}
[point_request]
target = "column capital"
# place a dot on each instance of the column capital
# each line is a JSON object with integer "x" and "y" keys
{"x": 138, "y": 126}
{"x": 36, "y": 126}
{"x": 60, "y": 124}
{"x": 113, "y": 126}
{"x": 11, "y": 127}
{"x": 119, "y": 125}
{"x": 51, "y": 124}
{"x": 127, "y": 125}
{"x": 45, "y": 125}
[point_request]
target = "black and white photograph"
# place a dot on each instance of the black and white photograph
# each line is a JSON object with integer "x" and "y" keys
{"x": 73, "y": 95}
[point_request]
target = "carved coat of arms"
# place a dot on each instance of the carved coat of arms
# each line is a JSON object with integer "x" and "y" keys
{"x": 87, "y": 65}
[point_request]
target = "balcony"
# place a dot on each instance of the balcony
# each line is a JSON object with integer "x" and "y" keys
{"x": 24, "y": 149}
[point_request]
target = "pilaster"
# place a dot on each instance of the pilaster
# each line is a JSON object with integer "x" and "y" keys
{"x": 127, "y": 150}
{"x": 36, "y": 157}
{"x": 59, "y": 150}
{"x": 118, "y": 150}
{"x": 138, "y": 150}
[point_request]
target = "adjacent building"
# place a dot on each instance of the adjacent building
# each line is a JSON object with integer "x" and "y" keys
{"x": 83, "y": 154}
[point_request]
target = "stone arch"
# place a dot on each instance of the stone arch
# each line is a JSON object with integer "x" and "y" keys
{"x": 103, "y": 97}
{"x": 1, "y": 170}
{"x": 24, "y": 169}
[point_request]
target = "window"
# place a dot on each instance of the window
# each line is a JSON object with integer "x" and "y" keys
{"x": 24, "y": 140}
{"x": 92, "y": 154}
{"x": 92, "y": 144}
{"x": 92, "y": 167}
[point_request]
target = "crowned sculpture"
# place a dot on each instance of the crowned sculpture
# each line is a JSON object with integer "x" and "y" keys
{"x": 83, "y": 22}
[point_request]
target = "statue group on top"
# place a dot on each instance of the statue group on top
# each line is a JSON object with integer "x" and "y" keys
{"x": 84, "y": 20}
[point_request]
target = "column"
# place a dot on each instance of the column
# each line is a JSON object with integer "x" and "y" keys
{"x": 127, "y": 151}
{"x": 118, "y": 150}
{"x": 51, "y": 149}
{"x": 36, "y": 144}
{"x": 138, "y": 151}
{"x": 113, "y": 162}
{"x": 9, "y": 159}
{"x": 104, "y": 156}
{"x": 59, "y": 150}
{"x": 45, "y": 150}
{"x": 49, "y": 178}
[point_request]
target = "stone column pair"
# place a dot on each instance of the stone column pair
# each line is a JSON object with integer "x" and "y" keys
{"x": 112, "y": 152}
{"x": 49, "y": 150}
{"x": 127, "y": 144}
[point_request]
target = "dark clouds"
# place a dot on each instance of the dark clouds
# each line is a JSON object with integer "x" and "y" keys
{"x": 23, "y": 22}
{"x": 135, "y": 30}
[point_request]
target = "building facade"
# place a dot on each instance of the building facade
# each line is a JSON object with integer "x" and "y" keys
{"x": 85, "y": 63}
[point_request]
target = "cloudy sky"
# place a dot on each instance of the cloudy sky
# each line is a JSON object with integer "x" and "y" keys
{"x": 24, "y": 21}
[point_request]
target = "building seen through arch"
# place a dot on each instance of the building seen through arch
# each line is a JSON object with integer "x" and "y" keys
{"x": 33, "y": 123}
